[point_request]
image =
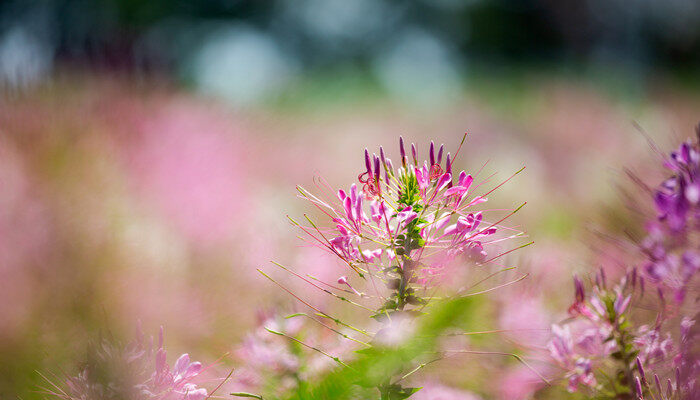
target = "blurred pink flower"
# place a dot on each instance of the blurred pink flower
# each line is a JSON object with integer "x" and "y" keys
{"x": 136, "y": 371}
{"x": 525, "y": 319}
{"x": 518, "y": 383}
{"x": 24, "y": 240}
{"x": 176, "y": 382}
{"x": 275, "y": 364}
{"x": 191, "y": 163}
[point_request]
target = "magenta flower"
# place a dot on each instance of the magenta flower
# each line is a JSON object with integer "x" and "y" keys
{"x": 406, "y": 216}
{"x": 456, "y": 193}
{"x": 672, "y": 242}
{"x": 677, "y": 198}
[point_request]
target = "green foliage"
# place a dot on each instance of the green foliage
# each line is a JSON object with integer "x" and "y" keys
{"x": 396, "y": 392}
{"x": 410, "y": 192}
{"x": 379, "y": 366}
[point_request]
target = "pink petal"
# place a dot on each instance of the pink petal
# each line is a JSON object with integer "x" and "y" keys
{"x": 181, "y": 364}
{"x": 445, "y": 179}
{"x": 455, "y": 190}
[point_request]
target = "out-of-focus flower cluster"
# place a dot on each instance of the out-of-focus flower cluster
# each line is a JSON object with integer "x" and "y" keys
{"x": 673, "y": 251}
{"x": 137, "y": 371}
{"x": 608, "y": 338}
{"x": 601, "y": 328}
{"x": 275, "y": 365}
{"x": 673, "y": 243}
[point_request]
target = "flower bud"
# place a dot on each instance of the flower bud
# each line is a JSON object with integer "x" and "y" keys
{"x": 579, "y": 290}
{"x": 376, "y": 168}
{"x": 641, "y": 371}
{"x": 367, "y": 162}
{"x": 638, "y": 387}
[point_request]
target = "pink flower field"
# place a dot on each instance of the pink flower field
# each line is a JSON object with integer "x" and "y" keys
{"x": 128, "y": 211}
{"x": 349, "y": 199}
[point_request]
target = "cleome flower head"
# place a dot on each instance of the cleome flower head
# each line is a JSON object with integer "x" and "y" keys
{"x": 407, "y": 223}
{"x": 402, "y": 229}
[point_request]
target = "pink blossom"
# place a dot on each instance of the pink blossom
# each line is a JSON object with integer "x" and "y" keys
{"x": 578, "y": 369}
{"x": 460, "y": 190}
{"x": 410, "y": 210}
{"x": 186, "y": 161}
{"x": 406, "y": 215}
{"x": 518, "y": 383}
{"x": 654, "y": 346}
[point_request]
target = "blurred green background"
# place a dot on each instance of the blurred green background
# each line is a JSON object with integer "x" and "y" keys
{"x": 149, "y": 150}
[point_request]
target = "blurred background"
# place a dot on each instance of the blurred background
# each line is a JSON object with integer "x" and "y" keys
{"x": 149, "y": 150}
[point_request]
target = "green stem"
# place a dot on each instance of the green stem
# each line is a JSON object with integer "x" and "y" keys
{"x": 384, "y": 391}
{"x": 626, "y": 358}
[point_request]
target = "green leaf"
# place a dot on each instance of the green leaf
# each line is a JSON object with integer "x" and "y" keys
{"x": 397, "y": 392}
{"x": 249, "y": 395}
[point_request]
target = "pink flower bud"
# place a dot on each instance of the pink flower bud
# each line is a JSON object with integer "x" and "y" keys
{"x": 367, "y": 162}
{"x": 641, "y": 371}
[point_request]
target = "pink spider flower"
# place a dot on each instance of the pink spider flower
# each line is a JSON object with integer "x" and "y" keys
{"x": 416, "y": 215}
{"x": 399, "y": 231}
